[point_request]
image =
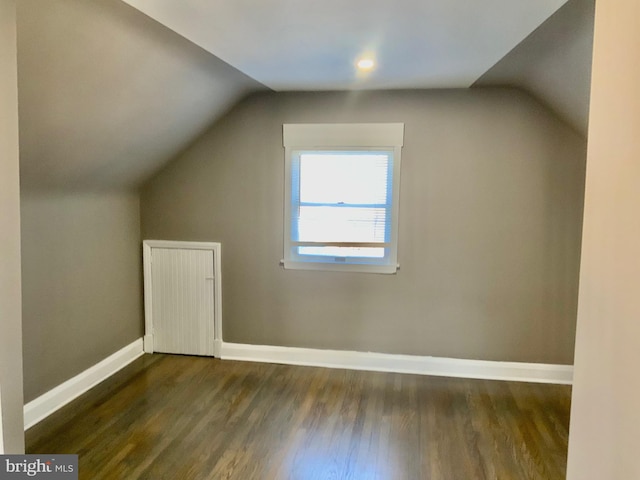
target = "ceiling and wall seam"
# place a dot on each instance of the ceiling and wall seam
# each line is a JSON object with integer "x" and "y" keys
{"x": 553, "y": 64}
{"x": 108, "y": 95}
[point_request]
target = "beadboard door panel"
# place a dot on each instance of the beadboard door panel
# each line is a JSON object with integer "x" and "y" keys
{"x": 181, "y": 297}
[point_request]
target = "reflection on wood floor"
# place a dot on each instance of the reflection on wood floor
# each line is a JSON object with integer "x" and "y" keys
{"x": 177, "y": 417}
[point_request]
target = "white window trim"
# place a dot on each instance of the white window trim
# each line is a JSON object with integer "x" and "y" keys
{"x": 347, "y": 136}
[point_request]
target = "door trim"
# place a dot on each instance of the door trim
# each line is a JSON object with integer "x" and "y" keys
{"x": 1, "y": 434}
{"x": 215, "y": 247}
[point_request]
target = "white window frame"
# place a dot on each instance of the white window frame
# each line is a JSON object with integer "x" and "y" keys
{"x": 346, "y": 136}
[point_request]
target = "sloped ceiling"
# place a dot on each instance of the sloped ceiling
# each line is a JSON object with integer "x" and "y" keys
{"x": 554, "y": 63}
{"x": 107, "y": 95}
{"x": 301, "y": 45}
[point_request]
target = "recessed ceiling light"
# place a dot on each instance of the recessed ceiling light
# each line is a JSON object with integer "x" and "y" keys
{"x": 365, "y": 64}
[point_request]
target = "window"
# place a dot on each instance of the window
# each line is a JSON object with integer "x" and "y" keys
{"x": 341, "y": 196}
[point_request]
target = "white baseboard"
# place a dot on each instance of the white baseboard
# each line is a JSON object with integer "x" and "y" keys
{"x": 46, "y": 404}
{"x": 384, "y": 362}
{"x": 43, "y": 406}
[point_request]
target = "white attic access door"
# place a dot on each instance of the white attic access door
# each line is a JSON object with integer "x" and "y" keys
{"x": 182, "y": 290}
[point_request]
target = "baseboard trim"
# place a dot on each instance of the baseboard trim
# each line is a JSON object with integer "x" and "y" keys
{"x": 384, "y": 362}
{"x": 43, "y": 406}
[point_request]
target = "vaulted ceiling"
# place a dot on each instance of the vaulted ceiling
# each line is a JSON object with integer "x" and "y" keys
{"x": 108, "y": 94}
{"x": 294, "y": 45}
{"x": 554, "y": 63}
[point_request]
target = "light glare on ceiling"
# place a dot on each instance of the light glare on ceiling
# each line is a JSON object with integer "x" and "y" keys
{"x": 365, "y": 64}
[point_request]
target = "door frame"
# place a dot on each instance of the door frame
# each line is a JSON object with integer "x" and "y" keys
{"x": 1, "y": 432}
{"x": 215, "y": 247}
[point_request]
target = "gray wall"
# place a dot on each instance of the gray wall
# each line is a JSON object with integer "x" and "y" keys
{"x": 12, "y": 424}
{"x": 106, "y": 95}
{"x": 82, "y": 289}
{"x": 490, "y": 221}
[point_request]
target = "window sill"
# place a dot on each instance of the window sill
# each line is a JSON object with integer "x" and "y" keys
{"x": 332, "y": 267}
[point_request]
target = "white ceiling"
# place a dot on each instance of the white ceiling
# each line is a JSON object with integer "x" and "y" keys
{"x": 313, "y": 45}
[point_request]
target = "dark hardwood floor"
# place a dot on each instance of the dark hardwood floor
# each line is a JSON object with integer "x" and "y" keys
{"x": 177, "y": 417}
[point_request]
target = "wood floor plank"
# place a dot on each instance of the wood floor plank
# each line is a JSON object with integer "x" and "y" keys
{"x": 179, "y": 417}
